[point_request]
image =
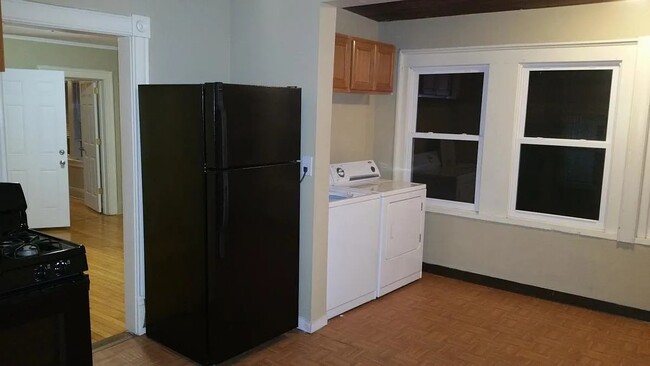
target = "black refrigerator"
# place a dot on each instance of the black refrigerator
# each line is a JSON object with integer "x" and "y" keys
{"x": 221, "y": 196}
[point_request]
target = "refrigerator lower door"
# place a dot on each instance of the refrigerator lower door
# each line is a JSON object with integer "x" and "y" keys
{"x": 253, "y": 225}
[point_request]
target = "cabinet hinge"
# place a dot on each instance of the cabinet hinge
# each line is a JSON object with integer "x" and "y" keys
{"x": 100, "y": 190}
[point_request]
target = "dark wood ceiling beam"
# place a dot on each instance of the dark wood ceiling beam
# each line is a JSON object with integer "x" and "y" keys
{"x": 417, "y": 9}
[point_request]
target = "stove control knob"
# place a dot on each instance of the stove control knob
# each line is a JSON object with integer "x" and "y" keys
{"x": 39, "y": 273}
{"x": 59, "y": 267}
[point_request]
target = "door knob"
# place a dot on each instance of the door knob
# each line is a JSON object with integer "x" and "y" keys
{"x": 62, "y": 163}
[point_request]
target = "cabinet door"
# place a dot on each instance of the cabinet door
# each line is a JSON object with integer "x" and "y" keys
{"x": 384, "y": 68}
{"x": 342, "y": 61}
{"x": 363, "y": 65}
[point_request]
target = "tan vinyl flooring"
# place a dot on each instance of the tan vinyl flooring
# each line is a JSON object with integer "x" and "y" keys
{"x": 439, "y": 321}
{"x": 102, "y": 237}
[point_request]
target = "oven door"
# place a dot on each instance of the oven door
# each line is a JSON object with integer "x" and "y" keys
{"x": 47, "y": 325}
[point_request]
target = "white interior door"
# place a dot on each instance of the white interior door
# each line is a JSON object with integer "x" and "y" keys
{"x": 35, "y": 134}
{"x": 90, "y": 142}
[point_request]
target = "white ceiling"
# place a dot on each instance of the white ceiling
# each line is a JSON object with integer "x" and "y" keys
{"x": 69, "y": 36}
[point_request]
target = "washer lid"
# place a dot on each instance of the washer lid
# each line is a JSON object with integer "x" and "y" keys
{"x": 341, "y": 197}
{"x": 345, "y": 174}
{"x": 388, "y": 187}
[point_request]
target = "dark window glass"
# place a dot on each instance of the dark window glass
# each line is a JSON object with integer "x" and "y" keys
{"x": 450, "y": 103}
{"x": 565, "y": 181}
{"x": 568, "y": 104}
{"x": 447, "y": 167}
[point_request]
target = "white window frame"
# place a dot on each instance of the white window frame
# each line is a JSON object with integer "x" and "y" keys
{"x": 604, "y": 145}
{"x": 432, "y": 203}
{"x": 625, "y": 181}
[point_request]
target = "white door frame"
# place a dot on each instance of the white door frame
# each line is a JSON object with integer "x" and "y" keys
{"x": 133, "y": 34}
{"x": 108, "y": 147}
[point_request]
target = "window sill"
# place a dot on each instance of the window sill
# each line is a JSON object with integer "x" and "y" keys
{"x": 515, "y": 221}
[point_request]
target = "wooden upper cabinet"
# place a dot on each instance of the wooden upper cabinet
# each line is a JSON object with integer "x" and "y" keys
{"x": 362, "y": 66}
{"x": 342, "y": 62}
{"x": 384, "y": 67}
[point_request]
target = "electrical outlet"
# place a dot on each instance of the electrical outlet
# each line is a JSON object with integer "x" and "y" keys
{"x": 307, "y": 162}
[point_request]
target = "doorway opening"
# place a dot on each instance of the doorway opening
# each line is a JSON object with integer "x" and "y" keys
{"x": 132, "y": 33}
{"x": 83, "y": 142}
{"x": 86, "y": 132}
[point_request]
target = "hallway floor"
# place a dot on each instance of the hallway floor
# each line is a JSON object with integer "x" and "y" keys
{"x": 102, "y": 237}
{"x": 439, "y": 321}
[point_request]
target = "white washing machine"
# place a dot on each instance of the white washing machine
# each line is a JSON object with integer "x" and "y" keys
{"x": 353, "y": 248}
{"x": 401, "y": 227}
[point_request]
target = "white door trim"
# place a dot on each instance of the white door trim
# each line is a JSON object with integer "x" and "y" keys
{"x": 108, "y": 151}
{"x": 133, "y": 53}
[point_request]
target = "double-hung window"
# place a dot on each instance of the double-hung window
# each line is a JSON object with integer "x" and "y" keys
{"x": 446, "y": 134}
{"x": 563, "y": 145}
{"x": 545, "y": 136}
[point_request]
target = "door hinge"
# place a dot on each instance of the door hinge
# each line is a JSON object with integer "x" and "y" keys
{"x": 98, "y": 141}
{"x": 100, "y": 190}
{"x": 420, "y": 238}
{"x": 421, "y": 206}
{"x": 96, "y": 91}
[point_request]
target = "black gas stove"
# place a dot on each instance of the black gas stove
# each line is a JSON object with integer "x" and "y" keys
{"x": 28, "y": 257}
{"x": 43, "y": 292}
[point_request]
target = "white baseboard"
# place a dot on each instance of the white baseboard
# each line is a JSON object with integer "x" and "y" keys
{"x": 311, "y": 327}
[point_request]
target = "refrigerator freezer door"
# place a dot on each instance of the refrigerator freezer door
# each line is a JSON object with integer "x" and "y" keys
{"x": 249, "y": 126}
{"x": 252, "y": 257}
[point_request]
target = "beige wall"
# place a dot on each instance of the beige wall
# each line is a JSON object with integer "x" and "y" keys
{"x": 353, "y": 115}
{"x": 22, "y": 54}
{"x": 590, "y": 267}
{"x": 190, "y": 39}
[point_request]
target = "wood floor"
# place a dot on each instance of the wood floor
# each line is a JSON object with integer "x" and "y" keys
{"x": 439, "y": 321}
{"x": 102, "y": 237}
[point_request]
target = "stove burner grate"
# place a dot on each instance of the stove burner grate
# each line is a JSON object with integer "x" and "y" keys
{"x": 27, "y": 245}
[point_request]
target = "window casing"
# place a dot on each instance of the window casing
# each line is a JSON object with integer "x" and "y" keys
{"x": 563, "y": 145}
{"x": 502, "y": 134}
{"x": 445, "y": 134}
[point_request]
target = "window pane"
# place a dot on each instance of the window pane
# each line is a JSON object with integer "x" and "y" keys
{"x": 447, "y": 167}
{"x": 450, "y": 103}
{"x": 559, "y": 180}
{"x": 568, "y": 104}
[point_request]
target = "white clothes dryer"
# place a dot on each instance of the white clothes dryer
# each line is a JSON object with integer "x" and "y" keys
{"x": 401, "y": 229}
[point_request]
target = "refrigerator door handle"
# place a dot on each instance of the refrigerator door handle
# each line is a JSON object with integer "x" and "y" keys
{"x": 223, "y": 150}
{"x": 224, "y": 215}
